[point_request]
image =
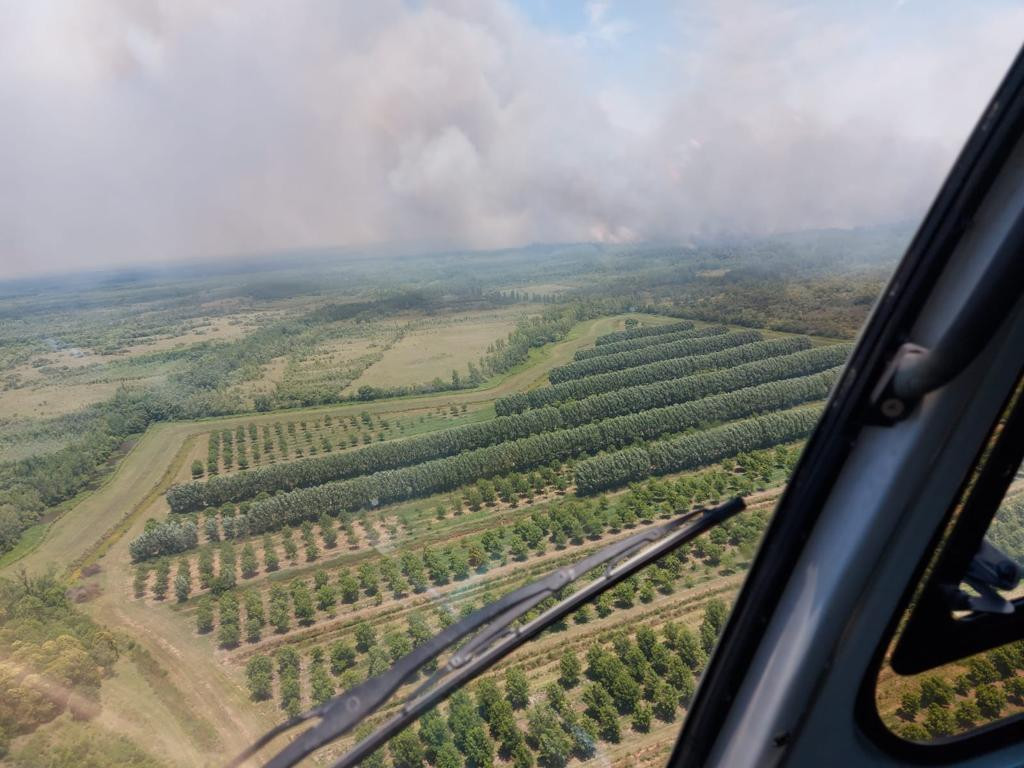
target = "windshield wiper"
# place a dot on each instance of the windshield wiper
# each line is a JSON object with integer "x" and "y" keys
{"x": 495, "y": 638}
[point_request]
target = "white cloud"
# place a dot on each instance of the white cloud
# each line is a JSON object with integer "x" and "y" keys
{"x": 156, "y": 129}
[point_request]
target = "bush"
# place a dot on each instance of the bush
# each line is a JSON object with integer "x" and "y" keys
{"x": 939, "y": 721}
{"x": 259, "y": 673}
{"x": 991, "y": 700}
{"x": 910, "y": 705}
{"x": 935, "y": 690}
{"x": 914, "y": 732}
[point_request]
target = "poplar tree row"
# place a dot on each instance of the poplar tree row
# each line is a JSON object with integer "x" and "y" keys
{"x": 577, "y": 389}
{"x": 642, "y": 332}
{"x": 517, "y": 455}
{"x": 618, "y": 468}
{"x": 650, "y": 341}
{"x": 311, "y": 472}
{"x": 673, "y": 391}
{"x": 683, "y": 348}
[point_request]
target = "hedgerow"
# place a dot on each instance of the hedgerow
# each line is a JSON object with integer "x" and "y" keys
{"x": 642, "y": 332}
{"x": 649, "y": 341}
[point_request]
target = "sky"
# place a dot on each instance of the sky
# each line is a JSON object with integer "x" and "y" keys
{"x": 149, "y": 131}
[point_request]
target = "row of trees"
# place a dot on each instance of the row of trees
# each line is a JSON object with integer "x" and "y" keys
{"x": 684, "y": 348}
{"x": 164, "y": 538}
{"x": 375, "y": 458}
{"x": 577, "y": 389}
{"x": 650, "y": 341}
{"x": 531, "y": 332}
{"x": 527, "y": 453}
{"x": 682, "y": 390}
{"x": 561, "y": 524}
{"x": 188, "y": 497}
{"x": 987, "y": 686}
{"x": 688, "y": 451}
{"x": 642, "y": 331}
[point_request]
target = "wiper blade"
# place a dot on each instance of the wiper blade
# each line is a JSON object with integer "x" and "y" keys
{"x": 493, "y": 639}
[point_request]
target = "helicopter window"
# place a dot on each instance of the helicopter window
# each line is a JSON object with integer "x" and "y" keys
{"x": 956, "y": 666}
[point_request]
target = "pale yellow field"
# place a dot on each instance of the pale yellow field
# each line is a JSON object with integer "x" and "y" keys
{"x": 223, "y": 328}
{"x": 43, "y": 401}
{"x": 547, "y": 289}
{"x": 270, "y": 376}
{"x": 70, "y": 359}
{"x": 437, "y": 347}
{"x": 338, "y": 353}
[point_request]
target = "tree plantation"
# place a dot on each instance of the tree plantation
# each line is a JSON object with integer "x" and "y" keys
{"x": 650, "y": 341}
{"x": 328, "y": 477}
{"x": 606, "y": 363}
{"x": 646, "y": 374}
{"x": 371, "y": 459}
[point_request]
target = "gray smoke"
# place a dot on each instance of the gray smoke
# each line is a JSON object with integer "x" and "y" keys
{"x": 145, "y": 130}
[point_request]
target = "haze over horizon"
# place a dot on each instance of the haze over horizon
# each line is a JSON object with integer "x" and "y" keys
{"x": 148, "y": 132}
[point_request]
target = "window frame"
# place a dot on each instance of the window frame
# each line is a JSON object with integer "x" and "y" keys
{"x": 949, "y": 552}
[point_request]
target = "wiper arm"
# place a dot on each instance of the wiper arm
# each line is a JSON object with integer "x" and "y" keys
{"x": 493, "y": 640}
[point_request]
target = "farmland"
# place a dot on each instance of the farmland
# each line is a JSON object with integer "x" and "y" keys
{"x": 298, "y": 608}
{"x": 283, "y": 489}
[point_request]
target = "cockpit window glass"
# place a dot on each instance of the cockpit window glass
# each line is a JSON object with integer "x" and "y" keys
{"x": 957, "y": 662}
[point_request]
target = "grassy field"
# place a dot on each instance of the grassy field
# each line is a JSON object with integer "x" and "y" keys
{"x": 435, "y": 347}
{"x": 42, "y": 401}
